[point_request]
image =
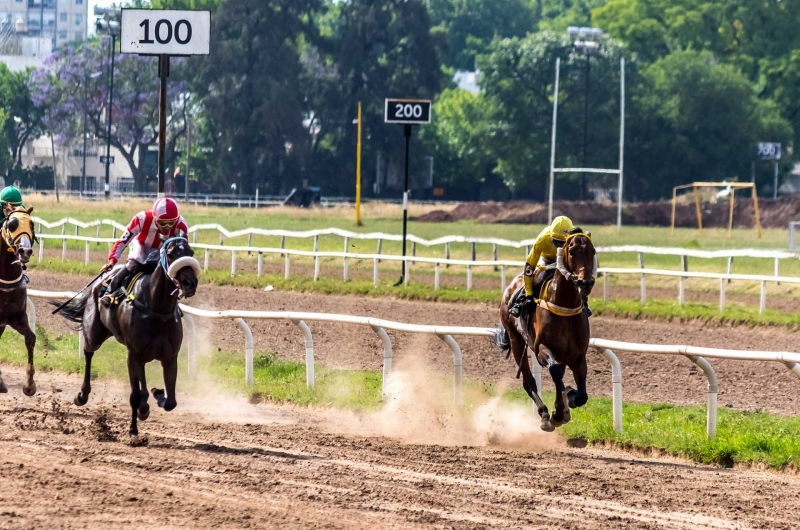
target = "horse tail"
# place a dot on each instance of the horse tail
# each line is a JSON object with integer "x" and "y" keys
{"x": 74, "y": 309}
{"x": 501, "y": 339}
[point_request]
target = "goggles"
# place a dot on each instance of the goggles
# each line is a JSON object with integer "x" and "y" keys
{"x": 166, "y": 223}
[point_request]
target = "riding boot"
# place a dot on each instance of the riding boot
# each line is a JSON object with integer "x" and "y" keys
{"x": 518, "y": 304}
{"x": 117, "y": 281}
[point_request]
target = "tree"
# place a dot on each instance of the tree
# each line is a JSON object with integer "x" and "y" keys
{"x": 75, "y": 76}
{"x": 370, "y": 50}
{"x": 517, "y": 76}
{"x": 697, "y": 120}
{"x": 23, "y": 119}
{"x": 459, "y": 136}
{"x": 470, "y": 25}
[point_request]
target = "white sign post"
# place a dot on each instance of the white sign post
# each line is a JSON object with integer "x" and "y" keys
{"x": 164, "y": 33}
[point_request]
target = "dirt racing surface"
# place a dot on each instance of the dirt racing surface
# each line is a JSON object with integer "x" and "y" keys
{"x": 219, "y": 462}
{"x": 646, "y": 378}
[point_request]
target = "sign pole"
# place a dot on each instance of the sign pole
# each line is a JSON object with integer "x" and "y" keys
{"x": 358, "y": 170}
{"x": 553, "y": 144}
{"x": 189, "y": 158}
{"x": 163, "y": 74}
{"x": 775, "y": 191}
{"x": 407, "y": 133}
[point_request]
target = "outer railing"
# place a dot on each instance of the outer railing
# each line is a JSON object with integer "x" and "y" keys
{"x": 468, "y": 265}
{"x": 446, "y": 333}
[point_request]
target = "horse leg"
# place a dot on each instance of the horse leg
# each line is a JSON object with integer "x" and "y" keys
{"x": 83, "y": 396}
{"x": 3, "y": 387}
{"x": 168, "y": 402}
{"x": 22, "y": 327}
{"x": 561, "y": 414}
{"x": 144, "y": 407}
{"x": 578, "y": 398}
{"x": 135, "y": 369}
{"x": 528, "y": 381}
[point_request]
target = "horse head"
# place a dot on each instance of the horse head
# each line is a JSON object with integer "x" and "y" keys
{"x": 581, "y": 261}
{"x": 177, "y": 259}
{"x": 18, "y": 233}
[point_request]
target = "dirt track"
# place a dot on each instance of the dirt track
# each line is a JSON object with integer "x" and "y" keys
{"x": 224, "y": 464}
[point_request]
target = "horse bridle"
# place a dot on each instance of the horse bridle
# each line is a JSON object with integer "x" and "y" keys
{"x": 561, "y": 267}
{"x": 11, "y": 241}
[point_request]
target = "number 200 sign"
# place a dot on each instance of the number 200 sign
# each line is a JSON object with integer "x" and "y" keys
{"x": 408, "y": 111}
{"x": 165, "y": 32}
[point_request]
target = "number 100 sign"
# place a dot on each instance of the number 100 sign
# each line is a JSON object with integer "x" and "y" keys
{"x": 408, "y": 111}
{"x": 165, "y": 32}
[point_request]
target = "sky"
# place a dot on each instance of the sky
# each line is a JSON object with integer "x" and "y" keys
{"x": 92, "y": 3}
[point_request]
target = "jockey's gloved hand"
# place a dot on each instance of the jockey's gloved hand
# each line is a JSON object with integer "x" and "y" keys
{"x": 108, "y": 266}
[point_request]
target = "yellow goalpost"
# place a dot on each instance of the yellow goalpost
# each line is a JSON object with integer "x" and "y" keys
{"x": 732, "y": 185}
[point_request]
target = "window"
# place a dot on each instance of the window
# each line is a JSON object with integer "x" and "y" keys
{"x": 78, "y": 19}
{"x": 62, "y": 35}
{"x": 78, "y": 35}
{"x": 78, "y": 2}
{"x": 62, "y": 17}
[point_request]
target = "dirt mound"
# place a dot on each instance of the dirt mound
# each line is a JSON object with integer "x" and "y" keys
{"x": 774, "y": 213}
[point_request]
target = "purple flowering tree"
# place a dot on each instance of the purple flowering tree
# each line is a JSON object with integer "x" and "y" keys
{"x": 76, "y": 78}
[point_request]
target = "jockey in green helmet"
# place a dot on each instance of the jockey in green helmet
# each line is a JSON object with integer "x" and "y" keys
{"x": 10, "y": 199}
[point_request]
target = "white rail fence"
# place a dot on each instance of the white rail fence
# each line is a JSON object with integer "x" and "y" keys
{"x": 446, "y": 333}
{"x": 446, "y": 241}
{"x": 468, "y": 265}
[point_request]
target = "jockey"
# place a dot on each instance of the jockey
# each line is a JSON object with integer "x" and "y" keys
{"x": 10, "y": 199}
{"x": 542, "y": 254}
{"x": 145, "y": 233}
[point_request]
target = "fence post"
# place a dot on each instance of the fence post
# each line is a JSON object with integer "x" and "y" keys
{"x": 730, "y": 266}
{"x": 777, "y": 269}
{"x": 616, "y": 387}
{"x": 643, "y": 290}
{"x": 248, "y": 352}
{"x": 380, "y": 246}
{"x": 605, "y": 288}
{"x": 205, "y": 261}
{"x": 469, "y": 277}
{"x": 283, "y": 242}
{"x": 286, "y": 267}
{"x": 86, "y": 253}
{"x": 685, "y": 263}
{"x": 502, "y": 278}
{"x": 316, "y": 243}
{"x": 221, "y": 238}
{"x": 387, "y": 357}
{"x": 681, "y": 290}
{"x": 249, "y": 242}
{"x": 233, "y": 263}
{"x": 494, "y": 254}
{"x": 414, "y": 250}
{"x": 447, "y": 254}
{"x": 316, "y": 268}
{"x": 474, "y": 251}
{"x": 344, "y": 269}
{"x": 309, "y": 341}
{"x": 458, "y": 377}
{"x": 375, "y": 272}
{"x": 260, "y": 266}
{"x": 721, "y": 295}
{"x": 194, "y": 235}
{"x": 63, "y": 249}
{"x": 407, "y": 275}
{"x": 711, "y": 410}
{"x": 41, "y": 250}
{"x": 762, "y": 306}
{"x": 436, "y": 276}
{"x": 98, "y": 231}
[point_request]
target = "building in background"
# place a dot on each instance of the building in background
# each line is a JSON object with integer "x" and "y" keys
{"x": 34, "y": 28}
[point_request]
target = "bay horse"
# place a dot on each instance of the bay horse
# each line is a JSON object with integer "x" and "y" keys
{"x": 17, "y": 234}
{"x": 147, "y": 323}
{"x": 559, "y": 333}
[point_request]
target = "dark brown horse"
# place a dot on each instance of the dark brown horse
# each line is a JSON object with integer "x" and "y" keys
{"x": 147, "y": 323}
{"x": 559, "y": 333}
{"x": 15, "y": 251}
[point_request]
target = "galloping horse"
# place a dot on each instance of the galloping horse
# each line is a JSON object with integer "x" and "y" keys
{"x": 559, "y": 333}
{"x": 15, "y": 251}
{"x": 147, "y": 323}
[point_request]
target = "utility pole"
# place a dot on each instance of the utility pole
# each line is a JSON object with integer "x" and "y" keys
{"x": 188, "y": 156}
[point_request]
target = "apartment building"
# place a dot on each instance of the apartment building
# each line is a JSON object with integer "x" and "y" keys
{"x": 59, "y": 21}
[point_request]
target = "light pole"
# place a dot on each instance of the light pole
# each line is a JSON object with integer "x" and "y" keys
{"x": 109, "y": 25}
{"x": 585, "y": 41}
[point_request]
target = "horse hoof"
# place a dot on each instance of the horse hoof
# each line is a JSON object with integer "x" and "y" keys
{"x": 3, "y": 388}
{"x": 81, "y": 400}
{"x": 170, "y": 405}
{"x": 138, "y": 440}
{"x": 547, "y": 426}
{"x": 143, "y": 413}
{"x": 29, "y": 390}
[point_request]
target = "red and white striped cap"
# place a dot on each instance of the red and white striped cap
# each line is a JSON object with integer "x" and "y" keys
{"x": 165, "y": 209}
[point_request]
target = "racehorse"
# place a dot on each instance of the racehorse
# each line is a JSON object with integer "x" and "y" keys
{"x": 559, "y": 332}
{"x": 17, "y": 240}
{"x": 147, "y": 323}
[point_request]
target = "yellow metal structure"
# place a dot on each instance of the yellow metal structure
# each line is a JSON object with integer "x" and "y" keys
{"x": 732, "y": 185}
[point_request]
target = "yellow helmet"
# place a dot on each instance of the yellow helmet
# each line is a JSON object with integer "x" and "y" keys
{"x": 560, "y": 228}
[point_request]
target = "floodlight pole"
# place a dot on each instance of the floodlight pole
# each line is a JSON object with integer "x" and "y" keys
{"x": 621, "y": 139}
{"x": 553, "y": 142}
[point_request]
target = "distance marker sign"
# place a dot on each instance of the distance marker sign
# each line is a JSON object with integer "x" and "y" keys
{"x": 411, "y": 111}
{"x": 165, "y": 32}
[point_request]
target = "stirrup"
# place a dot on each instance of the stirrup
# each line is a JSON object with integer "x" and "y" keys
{"x": 588, "y": 311}
{"x": 515, "y": 311}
